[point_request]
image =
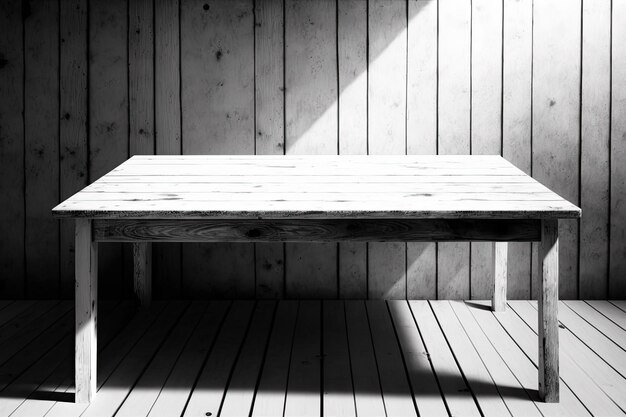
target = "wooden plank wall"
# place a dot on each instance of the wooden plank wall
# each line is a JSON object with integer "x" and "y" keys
{"x": 84, "y": 84}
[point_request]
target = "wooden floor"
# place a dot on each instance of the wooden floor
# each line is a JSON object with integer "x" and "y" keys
{"x": 313, "y": 358}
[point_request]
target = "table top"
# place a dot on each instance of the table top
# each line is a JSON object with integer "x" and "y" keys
{"x": 274, "y": 187}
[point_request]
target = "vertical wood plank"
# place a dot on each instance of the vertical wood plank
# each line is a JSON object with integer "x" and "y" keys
{"x": 311, "y": 127}
{"x": 386, "y": 123}
{"x": 556, "y": 117}
{"x": 454, "y": 129}
{"x": 141, "y": 77}
{"x": 41, "y": 142}
{"x": 594, "y": 153}
{"x": 617, "y": 284}
{"x": 108, "y": 114}
{"x": 421, "y": 125}
{"x": 142, "y": 272}
{"x": 269, "y": 127}
{"x": 516, "y": 126}
{"x": 499, "y": 273}
{"x": 167, "y": 129}
{"x": 73, "y": 150}
{"x": 548, "y": 322}
{"x": 12, "y": 150}
{"x": 352, "y": 68}
{"x": 486, "y": 118}
{"x": 167, "y": 77}
{"x": 217, "y": 52}
{"x": 86, "y": 312}
{"x": 141, "y": 121}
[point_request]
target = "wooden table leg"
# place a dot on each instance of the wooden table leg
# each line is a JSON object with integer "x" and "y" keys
{"x": 86, "y": 253}
{"x": 548, "y": 312}
{"x": 142, "y": 260}
{"x": 500, "y": 253}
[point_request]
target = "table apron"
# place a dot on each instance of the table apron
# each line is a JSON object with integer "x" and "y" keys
{"x": 317, "y": 230}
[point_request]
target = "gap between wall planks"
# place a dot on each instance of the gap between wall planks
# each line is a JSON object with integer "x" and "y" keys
{"x": 582, "y": 130}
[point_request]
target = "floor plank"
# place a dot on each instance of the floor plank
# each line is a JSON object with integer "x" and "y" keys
{"x": 34, "y": 342}
{"x": 176, "y": 390}
{"x": 477, "y": 376}
{"x": 338, "y": 393}
{"x": 594, "y": 399}
{"x": 209, "y": 391}
{"x": 113, "y": 317}
{"x": 16, "y": 324}
{"x": 516, "y": 398}
{"x": 146, "y": 391}
{"x": 598, "y": 371}
{"x": 304, "y": 386}
{"x": 507, "y": 343}
{"x": 270, "y": 395}
{"x": 613, "y": 354}
{"x": 115, "y": 390}
{"x": 610, "y": 311}
{"x": 239, "y": 395}
{"x": 391, "y": 369}
{"x": 599, "y": 321}
{"x": 367, "y": 391}
{"x": 456, "y": 393}
{"x": 333, "y": 357}
{"x": 113, "y": 355}
{"x": 424, "y": 384}
{"x": 11, "y": 309}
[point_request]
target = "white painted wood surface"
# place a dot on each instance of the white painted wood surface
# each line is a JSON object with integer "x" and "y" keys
{"x": 499, "y": 199}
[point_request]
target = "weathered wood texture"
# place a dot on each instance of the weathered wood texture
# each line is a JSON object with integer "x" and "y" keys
{"x": 333, "y": 230}
{"x": 12, "y": 265}
{"x": 459, "y": 359}
{"x": 548, "y": 321}
{"x": 86, "y": 289}
{"x": 304, "y": 78}
{"x": 41, "y": 146}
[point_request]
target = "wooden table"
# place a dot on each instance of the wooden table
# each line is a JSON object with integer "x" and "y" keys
{"x": 318, "y": 199}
